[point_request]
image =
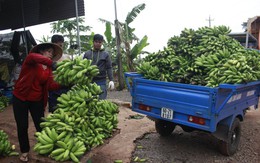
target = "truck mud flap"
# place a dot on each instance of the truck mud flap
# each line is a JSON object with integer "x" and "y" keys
{"x": 222, "y": 132}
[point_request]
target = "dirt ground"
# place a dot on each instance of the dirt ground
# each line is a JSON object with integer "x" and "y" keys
{"x": 137, "y": 139}
{"x": 119, "y": 147}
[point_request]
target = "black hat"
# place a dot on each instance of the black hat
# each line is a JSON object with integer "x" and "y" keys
{"x": 98, "y": 37}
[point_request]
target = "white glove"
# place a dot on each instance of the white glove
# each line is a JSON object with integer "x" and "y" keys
{"x": 111, "y": 85}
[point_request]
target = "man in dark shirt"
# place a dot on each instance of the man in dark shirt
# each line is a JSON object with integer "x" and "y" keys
{"x": 102, "y": 59}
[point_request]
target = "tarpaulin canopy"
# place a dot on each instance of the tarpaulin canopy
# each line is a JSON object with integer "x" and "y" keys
{"x": 16, "y": 14}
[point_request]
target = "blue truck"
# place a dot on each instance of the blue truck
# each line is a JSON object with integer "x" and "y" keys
{"x": 218, "y": 111}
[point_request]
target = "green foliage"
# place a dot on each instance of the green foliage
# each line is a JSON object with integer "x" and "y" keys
{"x": 69, "y": 28}
{"x": 86, "y": 42}
{"x": 45, "y": 39}
{"x": 134, "y": 13}
{"x": 108, "y": 33}
{"x": 137, "y": 49}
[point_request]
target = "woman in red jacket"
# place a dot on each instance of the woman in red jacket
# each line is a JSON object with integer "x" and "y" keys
{"x": 30, "y": 92}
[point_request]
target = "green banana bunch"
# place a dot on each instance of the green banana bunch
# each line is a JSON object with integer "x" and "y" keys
{"x": 76, "y": 71}
{"x": 6, "y": 149}
{"x": 78, "y": 97}
{"x": 4, "y": 101}
{"x": 69, "y": 148}
{"x": 46, "y": 141}
{"x": 149, "y": 71}
{"x": 207, "y": 57}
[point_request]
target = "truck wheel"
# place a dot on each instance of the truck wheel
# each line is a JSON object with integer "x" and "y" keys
{"x": 164, "y": 128}
{"x": 229, "y": 147}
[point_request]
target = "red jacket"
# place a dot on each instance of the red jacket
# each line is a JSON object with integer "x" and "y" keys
{"x": 31, "y": 68}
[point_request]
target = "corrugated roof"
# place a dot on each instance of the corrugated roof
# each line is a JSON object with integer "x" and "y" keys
{"x": 241, "y": 37}
{"x": 16, "y": 14}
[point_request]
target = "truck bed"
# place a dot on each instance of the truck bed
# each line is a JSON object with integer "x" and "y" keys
{"x": 182, "y": 103}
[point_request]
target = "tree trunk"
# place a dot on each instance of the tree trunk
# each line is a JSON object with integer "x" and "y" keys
{"x": 129, "y": 58}
{"x": 119, "y": 59}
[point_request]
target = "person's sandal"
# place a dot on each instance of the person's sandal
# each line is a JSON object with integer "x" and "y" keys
{"x": 24, "y": 157}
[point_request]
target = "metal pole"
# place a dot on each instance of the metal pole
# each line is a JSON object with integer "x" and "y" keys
{"x": 247, "y": 36}
{"x": 115, "y": 9}
{"x": 119, "y": 57}
{"x": 24, "y": 34}
{"x": 78, "y": 38}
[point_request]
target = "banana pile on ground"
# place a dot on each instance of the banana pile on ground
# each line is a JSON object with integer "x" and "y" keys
{"x": 76, "y": 71}
{"x": 207, "y": 56}
{"x": 80, "y": 122}
{"x": 4, "y": 102}
{"x": 84, "y": 125}
{"x": 6, "y": 149}
{"x": 60, "y": 147}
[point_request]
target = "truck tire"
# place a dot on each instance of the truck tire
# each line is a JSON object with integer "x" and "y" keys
{"x": 164, "y": 128}
{"x": 229, "y": 147}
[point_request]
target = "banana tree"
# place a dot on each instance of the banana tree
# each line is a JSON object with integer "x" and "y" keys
{"x": 128, "y": 38}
